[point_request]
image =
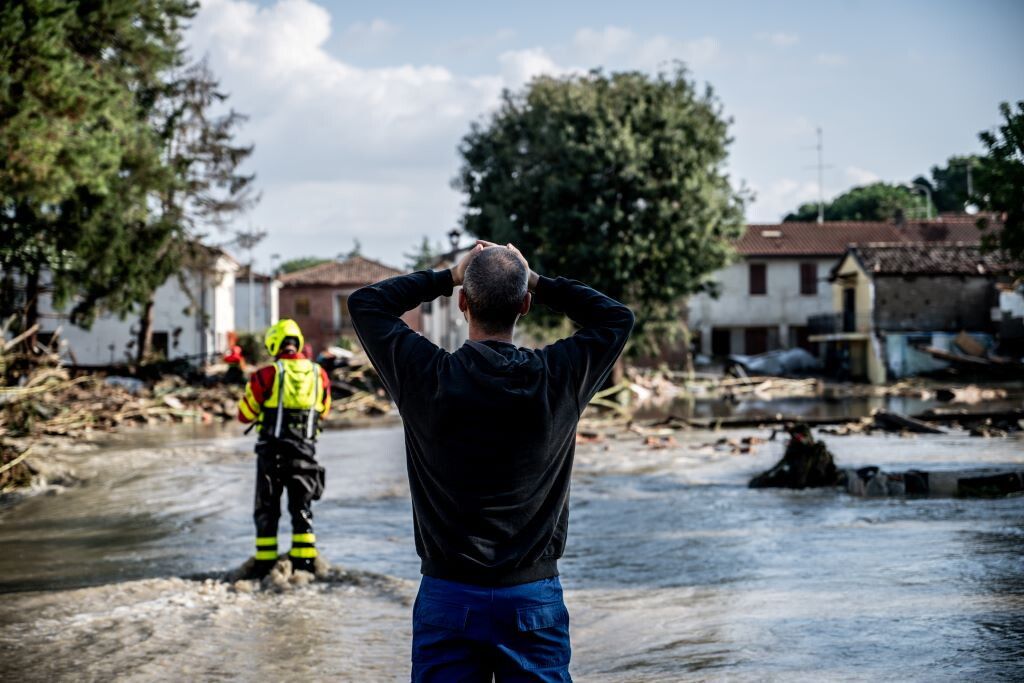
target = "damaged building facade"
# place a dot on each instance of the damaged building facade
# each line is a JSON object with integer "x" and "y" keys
{"x": 767, "y": 297}
{"x": 897, "y": 308}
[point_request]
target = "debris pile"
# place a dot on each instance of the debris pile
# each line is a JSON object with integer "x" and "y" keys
{"x": 39, "y": 398}
{"x": 356, "y": 389}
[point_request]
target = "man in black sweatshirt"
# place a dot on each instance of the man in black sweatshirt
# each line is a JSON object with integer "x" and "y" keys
{"x": 490, "y": 432}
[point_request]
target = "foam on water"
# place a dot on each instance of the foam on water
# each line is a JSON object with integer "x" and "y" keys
{"x": 674, "y": 570}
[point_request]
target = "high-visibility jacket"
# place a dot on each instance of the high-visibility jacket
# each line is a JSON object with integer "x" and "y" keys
{"x": 287, "y": 399}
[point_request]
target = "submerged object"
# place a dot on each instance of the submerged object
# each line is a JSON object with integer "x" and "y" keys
{"x": 807, "y": 463}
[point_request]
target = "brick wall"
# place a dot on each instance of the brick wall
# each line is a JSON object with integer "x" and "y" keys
{"x": 320, "y": 325}
{"x": 934, "y": 303}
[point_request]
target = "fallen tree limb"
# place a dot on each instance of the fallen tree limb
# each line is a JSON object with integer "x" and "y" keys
{"x": 12, "y": 463}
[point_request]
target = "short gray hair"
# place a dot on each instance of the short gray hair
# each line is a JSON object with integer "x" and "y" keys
{"x": 495, "y": 284}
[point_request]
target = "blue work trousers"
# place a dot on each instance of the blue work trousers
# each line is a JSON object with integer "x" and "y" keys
{"x": 462, "y": 632}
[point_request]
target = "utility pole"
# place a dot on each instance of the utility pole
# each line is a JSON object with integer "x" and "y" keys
{"x": 821, "y": 190}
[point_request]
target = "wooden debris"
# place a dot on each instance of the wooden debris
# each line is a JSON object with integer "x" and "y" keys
{"x": 894, "y": 422}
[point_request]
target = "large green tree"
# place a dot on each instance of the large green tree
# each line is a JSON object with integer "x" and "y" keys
{"x": 874, "y": 202}
{"x": 999, "y": 184}
{"x": 79, "y": 155}
{"x": 116, "y": 155}
{"x": 617, "y": 180}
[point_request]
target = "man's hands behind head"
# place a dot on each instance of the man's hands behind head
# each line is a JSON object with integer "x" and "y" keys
{"x": 459, "y": 271}
{"x": 533, "y": 277}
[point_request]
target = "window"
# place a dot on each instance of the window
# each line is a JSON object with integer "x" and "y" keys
{"x": 721, "y": 341}
{"x": 809, "y": 279}
{"x": 159, "y": 343}
{"x": 758, "y": 278}
{"x": 755, "y": 340}
{"x": 302, "y": 306}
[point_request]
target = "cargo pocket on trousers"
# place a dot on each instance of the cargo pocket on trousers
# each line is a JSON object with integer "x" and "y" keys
{"x": 544, "y": 635}
{"x": 440, "y": 614}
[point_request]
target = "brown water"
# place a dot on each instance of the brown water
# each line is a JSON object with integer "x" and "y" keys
{"x": 674, "y": 569}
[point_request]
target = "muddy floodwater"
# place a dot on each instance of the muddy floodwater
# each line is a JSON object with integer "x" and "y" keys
{"x": 674, "y": 569}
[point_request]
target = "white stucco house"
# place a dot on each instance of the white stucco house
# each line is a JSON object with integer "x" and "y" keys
{"x": 443, "y": 322}
{"x": 263, "y": 291}
{"x": 193, "y": 314}
{"x": 780, "y": 279}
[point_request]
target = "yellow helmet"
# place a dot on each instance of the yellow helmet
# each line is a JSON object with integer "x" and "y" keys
{"x": 278, "y": 332}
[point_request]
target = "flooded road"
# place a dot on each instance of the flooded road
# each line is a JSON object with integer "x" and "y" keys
{"x": 674, "y": 569}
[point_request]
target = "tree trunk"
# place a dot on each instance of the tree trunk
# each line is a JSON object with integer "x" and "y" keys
{"x": 145, "y": 338}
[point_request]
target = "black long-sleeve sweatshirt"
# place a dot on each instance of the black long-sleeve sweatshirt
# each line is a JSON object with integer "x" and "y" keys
{"x": 490, "y": 430}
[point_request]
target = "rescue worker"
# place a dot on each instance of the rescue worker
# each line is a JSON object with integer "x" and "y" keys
{"x": 286, "y": 401}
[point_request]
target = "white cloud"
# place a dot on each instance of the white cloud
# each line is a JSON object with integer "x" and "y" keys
{"x": 831, "y": 59}
{"x": 520, "y": 66}
{"x": 859, "y": 176}
{"x": 617, "y": 47}
{"x": 777, "y": 198}
{"x": 343, "y": 151}
{"x": 778, "y": 38}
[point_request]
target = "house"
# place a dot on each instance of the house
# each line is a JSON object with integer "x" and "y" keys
{"x": 780, "y": 280}
{"x": 317, "y": 298}
{"x": 443, "y": 322}
{"x": 263, "y": 291}
{"x": 891, "y": 299}
{"x": 193, "y": 314}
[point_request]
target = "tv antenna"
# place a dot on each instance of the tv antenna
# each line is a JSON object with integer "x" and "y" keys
{"x": 820, "y": 166}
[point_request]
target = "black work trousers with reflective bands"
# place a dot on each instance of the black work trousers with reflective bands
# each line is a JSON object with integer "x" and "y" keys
{"x": 282, "y": 466}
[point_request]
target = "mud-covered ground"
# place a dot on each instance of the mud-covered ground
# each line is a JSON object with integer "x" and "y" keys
{"x": 674, "y": 569}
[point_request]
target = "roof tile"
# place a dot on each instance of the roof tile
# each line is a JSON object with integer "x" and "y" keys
{"x": 357, "y": 270}
{"x": 832, "y": 237}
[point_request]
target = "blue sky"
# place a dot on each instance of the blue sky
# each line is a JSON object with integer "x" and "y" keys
{"x": 356, "y": 108}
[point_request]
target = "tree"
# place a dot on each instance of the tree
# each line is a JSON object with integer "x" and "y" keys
{"x": 950, "y": 184}
{"x": 206, "y": 187}
{"x": 616, "y": 180}
{"x": 76, "y": 147}
{"x": 356, "y": 250}
{"x": 301, "y": 263}
{"x": 423, "y": 256}
{"x": 875, "y": 202}
{"x": 113, "y": 157}
{"x": 999, "y": 184}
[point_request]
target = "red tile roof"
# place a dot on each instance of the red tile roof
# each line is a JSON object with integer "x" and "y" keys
{"x": 927, "y": 259}
{"x": 832, "y": 237}
{"x": 355, "y": 271}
